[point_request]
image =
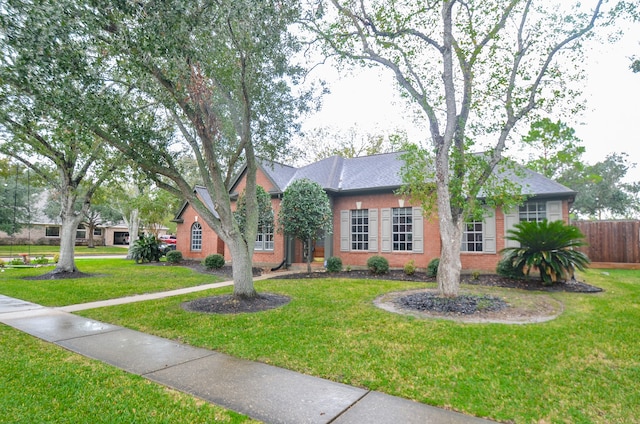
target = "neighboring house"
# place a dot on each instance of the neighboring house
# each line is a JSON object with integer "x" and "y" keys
{"x": 42, "y": 230}
{"x": 370, "y": 219}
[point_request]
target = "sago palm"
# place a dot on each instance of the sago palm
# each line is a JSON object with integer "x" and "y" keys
{"x": 549, "y": 247}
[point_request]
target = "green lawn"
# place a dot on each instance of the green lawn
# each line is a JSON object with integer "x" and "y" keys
{"x": 35, "y": 251}
{"x": 43, "y": 383}
{"x": 580, "y": 368}
{"x": 113, "y": 278}
{"x": 583, "y": 367}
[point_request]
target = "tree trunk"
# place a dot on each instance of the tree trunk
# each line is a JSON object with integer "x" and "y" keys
{"x": 448, "y": 276}
{"x": 133, "y": 226}
{"x": 309, "y": 255}
{"x": 90, "y": 243}
{"x": 66, "y": 261}
{"x": 449, "y": 269}
{"x": 242, "y": 271}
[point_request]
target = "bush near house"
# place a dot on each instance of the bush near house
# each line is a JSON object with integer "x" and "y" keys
{"x": 146, "y": 249}
{"x": 378, "y": 265}
{"x": 410, "y": 267}
{"x": 505, "y": 268}
{"x": 334, "y": 264}
{"x": 548, "y": 247}
{"x": 174, "y": 256}
{"x": 432, "y": 267}
{"x": 213, "y": 261}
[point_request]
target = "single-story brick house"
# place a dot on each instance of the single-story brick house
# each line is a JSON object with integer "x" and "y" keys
{"x": 370, "y": 219}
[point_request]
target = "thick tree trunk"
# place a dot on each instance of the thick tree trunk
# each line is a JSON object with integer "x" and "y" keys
{"x": 448, "y": 276}
{"x": 450, "y": 266}
{"x": 242, "y": 271}
{"x": 66, "y": 261}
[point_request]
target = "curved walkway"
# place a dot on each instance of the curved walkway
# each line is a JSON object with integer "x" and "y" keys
{"x": 264, "y": 392}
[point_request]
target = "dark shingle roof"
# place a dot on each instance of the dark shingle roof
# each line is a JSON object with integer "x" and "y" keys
{"x": 339, "y": 174}
{"x": 382, "y": 172}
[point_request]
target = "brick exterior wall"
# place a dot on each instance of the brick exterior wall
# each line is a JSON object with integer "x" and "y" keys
{"x": 471, "y": 261}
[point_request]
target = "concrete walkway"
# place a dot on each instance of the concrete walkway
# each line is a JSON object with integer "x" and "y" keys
{"x": 266, "y": 393}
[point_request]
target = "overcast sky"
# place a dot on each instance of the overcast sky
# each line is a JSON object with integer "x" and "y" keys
{"x": 369, "y": 100}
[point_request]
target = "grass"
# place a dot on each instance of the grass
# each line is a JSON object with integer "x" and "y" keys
{"x": 580, "y": 368}
{"x": 114, "y": 278}
{"x": 41, "y": 382}
{"x": 35, "y": 251}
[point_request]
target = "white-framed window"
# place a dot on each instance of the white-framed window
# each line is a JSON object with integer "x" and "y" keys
{"x": 402, "y": 229}
{"x": 472, "y": 237}
{"x": 196, "y": 237}
{"x": 52, "y": 231}
{"x": 97, "y": 231}
{"x": 81, "y": 232}
{"x": 264, "y": 238}
{"x": 533, "y": 211}
{"x": 360, "y": 229}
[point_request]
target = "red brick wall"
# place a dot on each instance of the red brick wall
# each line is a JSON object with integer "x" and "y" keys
{"x": 470, "y": 261}
{"x": 210, "y": 238}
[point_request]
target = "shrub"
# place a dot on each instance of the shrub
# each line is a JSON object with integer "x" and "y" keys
{"x": 146, "y": 249}
{"x": 41, "y": 260}
{"x": 2, "y": 263}
{"x": 432, "y": 268}
{"x": 174, "y": 256}
{"x": 410, "y": 267}
{"x": 505, "y": 268}
{"x": 378, "y": 265}
{"x": 213, "y": 261}
{"x": 16, "y": 261}
{"x": 548, "y": 247}
{"x": 334, "y": 264}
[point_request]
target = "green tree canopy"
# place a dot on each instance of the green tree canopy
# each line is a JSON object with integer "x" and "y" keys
{"x": 265, "y": 210}
{"x": 160, "y": 81}
{"x": 555, "y": 149}
{"x": 305, "y": 212}
{"x": 602, "y": 190}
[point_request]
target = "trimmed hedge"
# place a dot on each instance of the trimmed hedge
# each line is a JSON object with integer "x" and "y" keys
{"x": 174, "y": 256}
{"x": 213, "y": 261}
{"x": 334, "y": 264}
{"x": 378, "y": 265}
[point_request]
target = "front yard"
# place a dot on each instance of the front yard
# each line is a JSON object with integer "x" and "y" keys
{"x": 582, "y": 367}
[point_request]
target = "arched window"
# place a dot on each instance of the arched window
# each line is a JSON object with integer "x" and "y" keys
{"x": 196, "y": 237}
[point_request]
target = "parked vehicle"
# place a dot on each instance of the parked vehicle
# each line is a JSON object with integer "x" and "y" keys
{"x": 165, "y": 247}
{"x": 168, "y": 239}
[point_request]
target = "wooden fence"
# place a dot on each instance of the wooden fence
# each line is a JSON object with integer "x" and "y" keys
{"x": 611, "y": 241}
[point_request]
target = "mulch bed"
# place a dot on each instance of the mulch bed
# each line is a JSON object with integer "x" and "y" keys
{"x": 483, "y": 280}
{"x": 60, "y": 276}
{"x": 228, "y": 304}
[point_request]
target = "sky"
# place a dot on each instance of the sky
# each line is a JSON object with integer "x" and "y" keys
{"x": 369, "y": 99}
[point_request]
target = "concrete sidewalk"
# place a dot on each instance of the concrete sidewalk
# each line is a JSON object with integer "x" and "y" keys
{"x": 269, "y": 394}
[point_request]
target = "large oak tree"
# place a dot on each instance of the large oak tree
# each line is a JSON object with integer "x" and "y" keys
{"x": 208, "y": 79}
